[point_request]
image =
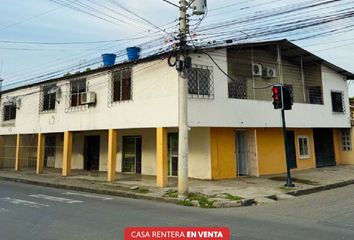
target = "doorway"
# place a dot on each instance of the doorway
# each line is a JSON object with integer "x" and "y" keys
{"x": 92, "y": 153}
{"x": 49, "y": 151}
{"x": 132, "y": 149}
{"x": 291, "y": 149}
{"x": 324, "y": 147}
{"x": 173, "y": 154}
{"x": 242, "y": 153}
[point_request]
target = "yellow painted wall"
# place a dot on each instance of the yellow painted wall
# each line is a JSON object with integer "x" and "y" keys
{"x": 345, "y": 157}
{"x": 222, "y": 146}
{"x": 271, "y": 151}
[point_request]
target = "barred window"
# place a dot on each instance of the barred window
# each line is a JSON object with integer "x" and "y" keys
{"x": 337, "y": 102}
{"x": 200, "y": 82}
{"x": 315, "y": 95}
{"x": 304, "y": 151}
{"x": 48, "y": 98}
{"x": 346, "y": 140}
{"x": 77, "y": 87}
{"x": 122, "y": 85}
{"x": 9, "y": 111}
{"x": 238, "y": 87}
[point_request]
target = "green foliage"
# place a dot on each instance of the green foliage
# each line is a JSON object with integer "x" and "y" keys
{"x": 171, "y": 194}
{"x": 232, "y": 197}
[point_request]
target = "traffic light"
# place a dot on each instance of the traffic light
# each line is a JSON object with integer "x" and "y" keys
{"x": 277, "y": 99}
{"x": 288, "y": 97}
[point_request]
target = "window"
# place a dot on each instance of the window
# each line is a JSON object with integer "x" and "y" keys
{"x": 346, "y": 140}
{"x": 77, "y": 87}
{"x": 337, "y": 102}
{"x": 315, "y": 95}
{"x": 9, "y": 111}
{"x": 200, "y": 84}
{"x": 48, "y": 98}
{"x": 122, "y": 85}
{"x": 304, "y": 150}
{"x": 238, "y": 88}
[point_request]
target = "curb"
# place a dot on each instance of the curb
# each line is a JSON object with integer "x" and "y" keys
{"x": 116, "y": 193}
{"x": 297, "y": 193}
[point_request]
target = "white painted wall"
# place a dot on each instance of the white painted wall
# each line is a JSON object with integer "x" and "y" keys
{"x": 154, "y": 104}
{"x": 226, "y": 112}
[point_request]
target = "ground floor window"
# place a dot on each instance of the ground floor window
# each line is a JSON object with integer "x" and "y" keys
{"x": 346, "y": 140}
{"x": 304, "y": 150}
{"x": 173, "y": 154}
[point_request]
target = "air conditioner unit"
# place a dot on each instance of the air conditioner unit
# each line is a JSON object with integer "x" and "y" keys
{"x": 88, "y": 98}
{"x": 257, "y": 70}
{"x": 269, "y": 73}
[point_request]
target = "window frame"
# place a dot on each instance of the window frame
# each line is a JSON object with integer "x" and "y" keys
{"x": 12, "y": 120}
{"x": 199, "y": 94}
{"x": 43, "y": 96}
{"x": 122, "y": 83}
{"x": 342, "y": 99}
{"x": 302, "y": 156}
{"x": 78, "y": 92}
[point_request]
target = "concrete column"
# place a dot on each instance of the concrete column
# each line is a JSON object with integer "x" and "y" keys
{"x": 17, "y": 160}
{"x": 112, "y": 155}
{"x": 2, "y": 155}
{"x": 40, "y": 153}
{"x": 67, "y": 150}
{"x": 161, "y": 157}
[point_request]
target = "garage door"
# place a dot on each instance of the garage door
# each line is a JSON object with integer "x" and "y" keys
{"x": 324, "y": 147}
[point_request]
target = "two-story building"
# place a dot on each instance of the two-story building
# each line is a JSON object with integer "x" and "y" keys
{"x": 124, "y": 118}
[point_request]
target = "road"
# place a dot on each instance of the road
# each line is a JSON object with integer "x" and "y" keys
{"x": 35, "y": 213}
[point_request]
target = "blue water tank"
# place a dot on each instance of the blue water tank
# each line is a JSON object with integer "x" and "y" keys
{"x": 108, "y": 59}
{"x": 133, "y": 53}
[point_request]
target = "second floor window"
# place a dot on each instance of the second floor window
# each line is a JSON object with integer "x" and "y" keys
{"x": 200, "y": 84}
{"x": 122, "y": 85}
{"x": 48, "y": 98}
{"x": 337, "y": 102}
{"x": 77, "y": 87}
{"x": 9, "y": 112}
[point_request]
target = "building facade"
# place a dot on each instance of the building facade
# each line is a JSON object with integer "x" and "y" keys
{"x": 124, "y": 118}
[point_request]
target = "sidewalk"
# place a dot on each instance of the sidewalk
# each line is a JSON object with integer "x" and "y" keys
{"x": 243, "y": 191}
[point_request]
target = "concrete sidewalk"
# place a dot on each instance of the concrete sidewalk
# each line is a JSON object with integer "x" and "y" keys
{"x": 225, "y": 193}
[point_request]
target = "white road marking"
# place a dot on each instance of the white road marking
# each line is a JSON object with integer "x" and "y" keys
{"x": 56, "y": 199}
{"x": 87, "y": 195}
{"x": 23, "y": 202}
{"x": 2, "y": 210}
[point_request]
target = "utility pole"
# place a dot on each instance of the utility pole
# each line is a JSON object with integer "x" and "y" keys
{"x": 183, "y": 129}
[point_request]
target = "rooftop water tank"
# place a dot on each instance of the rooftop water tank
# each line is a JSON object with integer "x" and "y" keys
{"x": 133, "y": 53}
{"x": 108, "y": 59}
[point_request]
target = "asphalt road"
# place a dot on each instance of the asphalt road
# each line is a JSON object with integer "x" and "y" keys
{"x": 35, "y": 213}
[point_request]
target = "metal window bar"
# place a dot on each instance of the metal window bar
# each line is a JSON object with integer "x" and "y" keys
{"x": 120, "y": 88}
{"x": 73, "y": 99}
{"x": 200, "y": 82}
{"x": 47, "y": 100}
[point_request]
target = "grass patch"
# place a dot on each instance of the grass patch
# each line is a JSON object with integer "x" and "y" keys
{"x": 232, "y": 197}
{"x": 286, "y": 189}
{"x": 143, "y": 190}
{"x": 203, "y": 200}
{"x": 171, "y": 194}
{"x": 185, "y": 203}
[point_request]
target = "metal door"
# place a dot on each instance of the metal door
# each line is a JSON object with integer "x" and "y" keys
{"x": 291, "y": 150}
{"x": 324, "y": 147}
{"x": 132, "y": 149}
{"x": 242, "y": 152}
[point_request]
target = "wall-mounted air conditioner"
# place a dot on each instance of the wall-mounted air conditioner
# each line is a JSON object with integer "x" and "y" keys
{"x": 257, "y": 70}
{"x": 88, "y": 98}
{"x": 269, "y": 72}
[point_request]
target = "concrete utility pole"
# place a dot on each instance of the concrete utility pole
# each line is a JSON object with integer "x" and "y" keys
{"x": 183, "y": 130}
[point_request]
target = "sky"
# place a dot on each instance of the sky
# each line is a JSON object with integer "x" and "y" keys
{"x": 46, "y": 21}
